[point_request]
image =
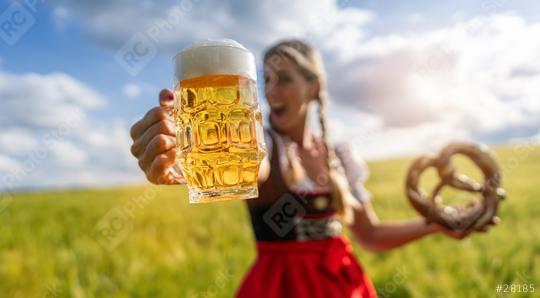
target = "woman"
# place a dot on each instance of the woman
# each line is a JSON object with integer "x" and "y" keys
{"x": 322, "y": 184}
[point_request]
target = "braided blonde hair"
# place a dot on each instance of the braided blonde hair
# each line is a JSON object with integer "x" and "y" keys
{"x": 310, "y": 64}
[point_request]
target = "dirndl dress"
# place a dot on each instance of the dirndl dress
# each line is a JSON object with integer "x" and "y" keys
{"x": 301, "y": 251}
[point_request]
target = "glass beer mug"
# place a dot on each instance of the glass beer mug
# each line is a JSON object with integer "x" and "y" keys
{"x": 220, "y": 142}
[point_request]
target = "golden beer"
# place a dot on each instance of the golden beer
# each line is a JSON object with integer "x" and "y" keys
{"x": 219, "y": 126}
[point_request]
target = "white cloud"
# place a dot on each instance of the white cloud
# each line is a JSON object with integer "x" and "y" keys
{"x": 380, "y": 143}
{"x": 49, "y": 139}
{"x": 44, "y": 101}
{"x": 68, "y": 155}
{"x": 476, "y": 79}
{"x": 16, "y": 141}
{"x": 8, "y": 164}
{"x": 131, "y": 90}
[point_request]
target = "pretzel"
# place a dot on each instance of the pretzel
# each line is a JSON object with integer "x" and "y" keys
{"x": 476, "y": 213}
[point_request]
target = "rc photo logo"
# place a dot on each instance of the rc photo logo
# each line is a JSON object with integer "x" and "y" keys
{"x": 113, "y": 228}
{"x": 139, "y": 50}
{"x": 136, "y": 53}
{"x": 281, "y": 217}
{"x": 16, "y": 20}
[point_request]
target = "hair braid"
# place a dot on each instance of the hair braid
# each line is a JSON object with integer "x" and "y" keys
{"x": 336, "y": 181}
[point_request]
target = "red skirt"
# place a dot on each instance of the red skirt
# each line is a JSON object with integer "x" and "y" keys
{"x": 315, "y": 268}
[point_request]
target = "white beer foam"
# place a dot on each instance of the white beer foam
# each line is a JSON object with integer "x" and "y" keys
{"x": 211, "y": 57}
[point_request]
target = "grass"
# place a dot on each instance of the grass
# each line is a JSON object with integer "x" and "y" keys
{"x": 149, "y": 242}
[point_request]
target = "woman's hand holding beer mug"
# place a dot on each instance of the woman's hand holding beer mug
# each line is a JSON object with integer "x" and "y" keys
{"x": 154, "y": 143}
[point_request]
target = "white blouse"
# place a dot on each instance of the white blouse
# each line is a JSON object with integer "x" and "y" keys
{"x": 351, "y": 167}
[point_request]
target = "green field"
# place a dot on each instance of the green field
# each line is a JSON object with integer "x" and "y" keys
{"x": 149, "y": 242}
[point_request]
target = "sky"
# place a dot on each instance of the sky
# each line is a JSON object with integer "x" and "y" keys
{"x": 405, "y": 77}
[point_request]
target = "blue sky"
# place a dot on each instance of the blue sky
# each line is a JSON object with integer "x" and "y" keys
{"x": 413, "y": 73}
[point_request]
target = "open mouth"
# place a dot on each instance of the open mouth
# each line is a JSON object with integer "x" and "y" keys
{"x": 278, "y": 109}
{"x": 279, "y": 112}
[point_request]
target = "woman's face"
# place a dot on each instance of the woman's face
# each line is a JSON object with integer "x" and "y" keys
{"x": 287, "y": 91}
